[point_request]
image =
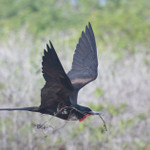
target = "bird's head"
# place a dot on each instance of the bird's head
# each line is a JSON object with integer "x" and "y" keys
{"x": 86, "y": 111}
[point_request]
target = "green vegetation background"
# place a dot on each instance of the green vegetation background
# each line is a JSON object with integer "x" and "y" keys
{"x": 121, "y": 27}
{"x": 121, "y": 22}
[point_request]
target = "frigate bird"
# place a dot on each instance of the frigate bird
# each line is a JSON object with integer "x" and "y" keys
{"x": 60, "y": 92}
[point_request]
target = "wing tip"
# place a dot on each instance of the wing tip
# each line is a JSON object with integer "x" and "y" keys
{"x": 89, "y": 23}
{"x": 51, "y": 44}
{"x": 48, "y": 49}
{"x": 88, "y": 26}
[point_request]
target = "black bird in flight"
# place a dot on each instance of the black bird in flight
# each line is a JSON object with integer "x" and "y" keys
{"x": 60, "y": 92}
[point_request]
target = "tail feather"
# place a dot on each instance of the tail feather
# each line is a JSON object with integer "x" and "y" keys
{"x": 33, "y": 109}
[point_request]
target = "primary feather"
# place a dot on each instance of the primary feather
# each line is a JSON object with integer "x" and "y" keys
{"x": 85, "y": 62}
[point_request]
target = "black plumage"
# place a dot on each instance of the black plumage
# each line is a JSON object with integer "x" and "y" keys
{"x": 59, "y": 94}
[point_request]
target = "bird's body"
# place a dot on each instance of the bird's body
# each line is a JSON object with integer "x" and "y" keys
{"x": 60, "y": 92}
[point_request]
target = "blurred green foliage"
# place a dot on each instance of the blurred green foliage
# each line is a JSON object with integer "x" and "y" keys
{"x": 98, "y": 92}
{"x": 121, "y": 23}
{"x": 110, "y": 108}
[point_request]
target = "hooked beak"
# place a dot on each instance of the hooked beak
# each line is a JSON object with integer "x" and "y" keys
{"x": 94, "y": 113}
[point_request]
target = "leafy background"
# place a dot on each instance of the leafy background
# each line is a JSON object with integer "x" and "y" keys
{"x": 121, "y": 91}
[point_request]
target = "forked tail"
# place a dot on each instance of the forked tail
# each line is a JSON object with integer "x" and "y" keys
{"x": 34, "y": 109}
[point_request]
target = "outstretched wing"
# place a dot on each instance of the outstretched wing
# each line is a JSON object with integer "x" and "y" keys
{"x": 58, "y": 86}
{"x": 85, "y": 63}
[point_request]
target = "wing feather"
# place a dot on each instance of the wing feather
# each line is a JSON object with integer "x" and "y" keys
{"x": 58, "y": 86}
{"x": 85, "y": 62}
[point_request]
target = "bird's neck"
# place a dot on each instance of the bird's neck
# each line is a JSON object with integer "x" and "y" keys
{"x": 78, "y": 107}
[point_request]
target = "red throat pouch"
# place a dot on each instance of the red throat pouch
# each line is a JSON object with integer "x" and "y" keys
{"x": 84, "y": 117}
